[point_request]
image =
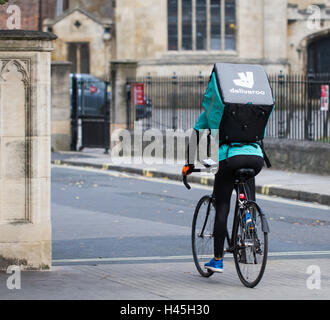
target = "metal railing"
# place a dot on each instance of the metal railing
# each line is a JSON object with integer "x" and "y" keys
{"x": 176, "y": 102}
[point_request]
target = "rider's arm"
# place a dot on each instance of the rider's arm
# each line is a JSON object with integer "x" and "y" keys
{"x": 192, "y": 148}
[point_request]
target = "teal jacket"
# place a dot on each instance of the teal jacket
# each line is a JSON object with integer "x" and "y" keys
{"x": 235, "y": 149}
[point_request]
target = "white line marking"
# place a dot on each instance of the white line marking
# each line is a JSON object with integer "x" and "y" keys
{"x": 195, "y": 186}
{"x": 187, "y": 257}
{"x": 124, "y": 259}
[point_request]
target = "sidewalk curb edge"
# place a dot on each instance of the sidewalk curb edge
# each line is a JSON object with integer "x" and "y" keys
{"x": 264, "y": 190}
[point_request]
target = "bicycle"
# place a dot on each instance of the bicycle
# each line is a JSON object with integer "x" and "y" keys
{"x": 249, "y": 237}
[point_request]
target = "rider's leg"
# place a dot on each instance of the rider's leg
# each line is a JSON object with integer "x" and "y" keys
{"x": 223, "y": 187}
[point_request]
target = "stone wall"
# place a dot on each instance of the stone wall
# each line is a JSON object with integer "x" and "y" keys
{"x": 60, "y": 106}
{"x": 299, "y": 156}
{"x": 302, "y": 4}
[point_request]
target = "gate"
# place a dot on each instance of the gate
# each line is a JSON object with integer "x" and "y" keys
{"x": 90, "y": 113}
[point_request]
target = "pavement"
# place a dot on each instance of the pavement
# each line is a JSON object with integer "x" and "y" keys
{"x": 289, "y": 279}
{"x": 285, "y": 184}
{"x": 295, "y": 277}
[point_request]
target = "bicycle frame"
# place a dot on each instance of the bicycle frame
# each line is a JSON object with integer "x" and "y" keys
{"x": 240, "y": 188}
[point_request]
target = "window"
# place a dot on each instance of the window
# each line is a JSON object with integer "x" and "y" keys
{"x": 186, "y": 24}
{"x": 215, "y": 25}
{"x": 78, "y": 55}
{"x": 172, "y": 24}
{"x": 230, "y": 25}
{"x": 201, "y": 25}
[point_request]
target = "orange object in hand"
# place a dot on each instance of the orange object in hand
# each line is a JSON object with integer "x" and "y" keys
{"x": 187, "y": 169}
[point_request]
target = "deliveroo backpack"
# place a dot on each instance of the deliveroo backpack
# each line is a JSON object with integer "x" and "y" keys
{"x": 238, "y": 103}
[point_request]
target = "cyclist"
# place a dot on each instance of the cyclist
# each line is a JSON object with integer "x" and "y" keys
{"x": 231, "y": 158}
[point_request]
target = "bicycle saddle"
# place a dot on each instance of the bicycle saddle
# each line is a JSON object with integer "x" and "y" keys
{"x": 244, "y": 174}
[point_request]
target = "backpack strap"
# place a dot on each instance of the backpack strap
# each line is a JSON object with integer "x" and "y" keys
{"x": 208, "y": 150}
{"x": 267, "y": 161}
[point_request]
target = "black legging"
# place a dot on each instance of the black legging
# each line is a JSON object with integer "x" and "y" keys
{"x": 223, "y": 188}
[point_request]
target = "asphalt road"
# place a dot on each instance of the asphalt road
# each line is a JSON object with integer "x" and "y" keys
{"x": 122, "y": 218}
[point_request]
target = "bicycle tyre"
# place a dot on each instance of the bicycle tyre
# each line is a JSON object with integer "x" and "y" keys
{"x": 202, "y": 247}
{"x": 242, "y": 257}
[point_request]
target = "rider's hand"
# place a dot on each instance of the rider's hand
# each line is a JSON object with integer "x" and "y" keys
{"x": 187, "y": 169}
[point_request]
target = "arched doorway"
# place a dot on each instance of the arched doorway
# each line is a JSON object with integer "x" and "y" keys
{"x": 319, "y": 55}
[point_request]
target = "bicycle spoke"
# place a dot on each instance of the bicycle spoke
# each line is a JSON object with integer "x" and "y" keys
{"x": 202, "y": 234}
{"x": 251, "y": 251}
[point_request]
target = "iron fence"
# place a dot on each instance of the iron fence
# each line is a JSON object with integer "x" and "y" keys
{"x": 176, "y": 102}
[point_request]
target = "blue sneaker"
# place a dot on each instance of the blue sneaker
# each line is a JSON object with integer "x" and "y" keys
{"x": 214, "y": 265}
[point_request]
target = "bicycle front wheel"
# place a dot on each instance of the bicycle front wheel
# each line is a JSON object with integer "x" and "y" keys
{"x": 202, "y": 234}
{"x": 250, "y": 246}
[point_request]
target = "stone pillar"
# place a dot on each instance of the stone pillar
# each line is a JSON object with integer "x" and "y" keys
{"x": 61, "y": 106}
{"x": 120, "y": 72}
{"x": 25, "y": 225}
{"x": 250, "y": 29}
{"x": 275, "y": 35}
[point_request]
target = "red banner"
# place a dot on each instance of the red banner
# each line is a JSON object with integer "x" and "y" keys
{"x": 138, "y": 93}
{"x": 324, "y": 97}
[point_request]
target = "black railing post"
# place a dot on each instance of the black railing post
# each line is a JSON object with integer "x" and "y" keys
{"x": 106, "y": 119}
{"x": 74, "y": 113}
{"x": 174, "y": 101}
{"x": 308, "y": 119}
{"x": 281, "y": 122}
{"x": 147, "y": 89}
{"x": 128, "y": 104}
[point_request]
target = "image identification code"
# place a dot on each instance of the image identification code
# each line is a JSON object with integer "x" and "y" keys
{"x": 167, "y": 309}
{"x": 184, "y": 309}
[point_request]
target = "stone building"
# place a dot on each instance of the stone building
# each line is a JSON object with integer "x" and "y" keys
{"x": 83, "y": 39}
{"x": 83, "y": 28}
{"x": 182, "y": 36}
{"x": 188, "y": 36}
{"x": 84, "y": 35}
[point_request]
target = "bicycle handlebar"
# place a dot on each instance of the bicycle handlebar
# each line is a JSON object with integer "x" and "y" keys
{"x": 185, "y": 182}
{"x": 208, "y": 164}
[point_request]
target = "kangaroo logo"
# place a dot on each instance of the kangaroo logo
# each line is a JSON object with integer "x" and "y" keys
{"x": 246, "y": 80}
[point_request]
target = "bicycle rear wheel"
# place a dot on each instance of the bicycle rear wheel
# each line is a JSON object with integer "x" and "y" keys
{"x": 250, "y": 247}
{"x": 202, "y": 234}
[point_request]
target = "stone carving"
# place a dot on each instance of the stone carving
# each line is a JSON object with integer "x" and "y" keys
{"x": 14, "y": 139}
